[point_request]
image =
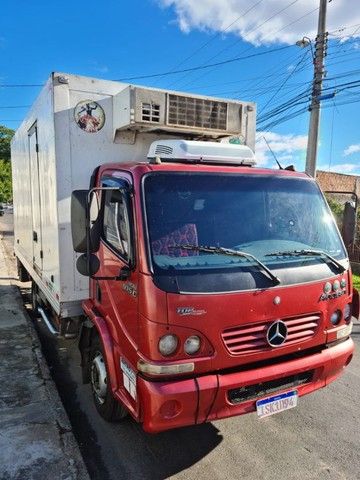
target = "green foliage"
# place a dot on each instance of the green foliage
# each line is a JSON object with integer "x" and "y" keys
{"x": 5, "y": 181}
{"x": 5, "y": 138}
{"x": 356, "y": 282}
{"x": 5, "y": 164}
{"x": 337, "y": 207}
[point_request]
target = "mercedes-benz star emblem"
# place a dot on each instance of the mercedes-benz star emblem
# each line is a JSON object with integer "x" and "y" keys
{"x": 276, "y": 334}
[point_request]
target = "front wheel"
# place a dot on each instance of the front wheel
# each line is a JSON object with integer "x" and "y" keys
{"x": 109, "y": 408}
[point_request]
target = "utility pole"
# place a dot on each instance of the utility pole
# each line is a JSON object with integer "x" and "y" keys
{"x": 319, "y": 64}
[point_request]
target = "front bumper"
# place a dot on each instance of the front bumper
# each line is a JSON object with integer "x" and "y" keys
{"x": 176, "y": 403}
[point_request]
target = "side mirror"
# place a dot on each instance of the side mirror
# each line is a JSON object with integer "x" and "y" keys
{"x": 78, "y": 220}
{"x": 81, "y": 224}
{"x": 88, "y": 267}
{"x": 349, "y": 224}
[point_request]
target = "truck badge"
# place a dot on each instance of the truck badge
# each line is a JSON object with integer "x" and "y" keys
{"x": 189, "y": 311}
{"x": 130, "y": 288}
{"x": 276, "y": 334}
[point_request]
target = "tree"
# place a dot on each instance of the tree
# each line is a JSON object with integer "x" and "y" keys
{"x": 5, "y": 181}
{"x": 6, "y": 135}
{"x": 5, "y": 164}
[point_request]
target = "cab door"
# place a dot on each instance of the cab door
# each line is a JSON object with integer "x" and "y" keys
{"x": 116, "y": 290}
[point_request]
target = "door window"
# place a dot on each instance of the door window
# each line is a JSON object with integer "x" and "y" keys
{"x": 116, "y": 226}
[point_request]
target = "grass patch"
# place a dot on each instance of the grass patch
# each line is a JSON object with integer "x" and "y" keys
{"x": 356, "y": 281}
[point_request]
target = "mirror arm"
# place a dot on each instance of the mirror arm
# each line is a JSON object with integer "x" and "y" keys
{"x": 124, "y": 274}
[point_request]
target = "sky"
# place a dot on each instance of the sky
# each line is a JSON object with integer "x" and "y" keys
{"x": 237, "y": 49}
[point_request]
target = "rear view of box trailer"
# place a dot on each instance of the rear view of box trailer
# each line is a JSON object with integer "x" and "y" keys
{"x": 76, "y": 124}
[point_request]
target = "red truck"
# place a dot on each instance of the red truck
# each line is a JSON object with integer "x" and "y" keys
{"x": 216, "y": 288}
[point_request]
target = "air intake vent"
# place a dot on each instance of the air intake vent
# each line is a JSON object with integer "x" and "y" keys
{"x": 150, "y": 112}
{"x": 197, "y": 112}
{"x": 246, "y": 339}
{"x": 251, "y": 392}
{"x": 163, "y": 150}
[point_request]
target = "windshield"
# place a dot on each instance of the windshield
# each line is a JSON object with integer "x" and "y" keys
{"x": 198, "y": 222}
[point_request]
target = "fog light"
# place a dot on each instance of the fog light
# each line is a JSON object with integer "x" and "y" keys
{"x": 170, "y": 409}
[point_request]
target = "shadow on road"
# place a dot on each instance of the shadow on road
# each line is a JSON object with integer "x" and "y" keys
{"x": 123, "y": 449}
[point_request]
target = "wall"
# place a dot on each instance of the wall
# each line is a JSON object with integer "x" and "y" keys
{"x": 339, "y": 182}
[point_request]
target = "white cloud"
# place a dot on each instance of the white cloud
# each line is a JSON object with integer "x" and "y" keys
{"x": 99, "y": 68}
{"x": 346, "y": 168}
{"x": 351, "y": 149}
{"x": 264, "y": 22}
{"x": 287, "y": 149}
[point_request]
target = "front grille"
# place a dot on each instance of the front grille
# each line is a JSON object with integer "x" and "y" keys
{"x": 197, "y": 112}
{"x": 251, "y": 392}
{"x": 246, "y": 339}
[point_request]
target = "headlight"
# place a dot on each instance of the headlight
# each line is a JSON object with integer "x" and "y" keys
{"x": 347, "y": 312}
{"x": 192, "y": 345}
{"x": 168, "y": 344}
{"x": 335, "y": 317}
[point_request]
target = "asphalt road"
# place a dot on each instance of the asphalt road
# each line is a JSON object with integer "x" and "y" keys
{"x": 319, "y": 439}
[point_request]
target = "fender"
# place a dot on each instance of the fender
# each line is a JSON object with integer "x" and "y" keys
{"x": 106, "y": 340}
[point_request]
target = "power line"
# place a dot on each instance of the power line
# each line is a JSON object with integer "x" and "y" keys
{"x": 17, "y": 106}
{"x": 283, "y": 83}
{"x": 20, "y": 86}
{"x": 243, "y": 37}
{"x": 194, "y": 69}
{"x": 214, "y": 37}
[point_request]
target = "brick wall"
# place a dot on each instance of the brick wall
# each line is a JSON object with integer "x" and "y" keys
{"x": 338, "y": 182}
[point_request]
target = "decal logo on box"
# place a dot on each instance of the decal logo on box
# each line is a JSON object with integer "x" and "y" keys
{"x": 89, "y": 116}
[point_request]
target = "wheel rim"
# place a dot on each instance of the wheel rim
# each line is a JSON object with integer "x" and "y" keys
{"x": 99, "y": 378}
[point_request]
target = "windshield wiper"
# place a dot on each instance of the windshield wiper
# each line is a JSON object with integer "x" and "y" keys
{"x": 319, "y": 253}
{"x": 229, "y": 251}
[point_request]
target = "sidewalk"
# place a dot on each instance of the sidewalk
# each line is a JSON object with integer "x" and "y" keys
{"x": 36, "y": 438}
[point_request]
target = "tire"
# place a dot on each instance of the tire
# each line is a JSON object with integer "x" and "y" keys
{"x": 22, "y": 273}
{"x": 106, "y": 405}
{"x": 34, "y": 300}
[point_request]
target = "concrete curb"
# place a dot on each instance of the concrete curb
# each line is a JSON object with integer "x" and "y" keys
{"x": 36, "y": 437}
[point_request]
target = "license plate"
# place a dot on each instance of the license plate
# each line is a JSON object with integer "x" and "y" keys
{"x": 278, "y": 403}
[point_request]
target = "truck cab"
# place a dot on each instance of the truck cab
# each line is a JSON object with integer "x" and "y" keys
{"x": 216, "y": 288}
